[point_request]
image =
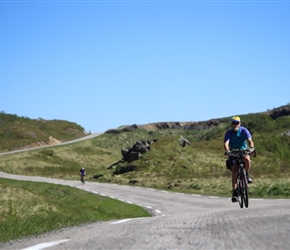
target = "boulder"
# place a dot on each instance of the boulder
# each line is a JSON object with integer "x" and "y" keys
{"x": 183, "y": 141}
{"x": 135, "y": 152}
{"x": 124, "y": 169}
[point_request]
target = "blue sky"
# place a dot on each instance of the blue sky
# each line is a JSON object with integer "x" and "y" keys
{"x": 103, "y": 64}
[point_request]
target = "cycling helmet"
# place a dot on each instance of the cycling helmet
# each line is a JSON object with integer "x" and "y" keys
{"x": 83, "y": 168}
{"x": 235, "y": 119}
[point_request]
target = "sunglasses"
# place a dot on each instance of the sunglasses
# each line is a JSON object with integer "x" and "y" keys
{"x": 235, "y": 123}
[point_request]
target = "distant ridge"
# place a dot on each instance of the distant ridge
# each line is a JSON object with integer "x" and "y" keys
{"x": 202, "y": 125}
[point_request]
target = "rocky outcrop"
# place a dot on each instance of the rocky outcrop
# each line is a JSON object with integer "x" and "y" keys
{"x": 203, "y": 125}
{"x": 169, "y": 125}
{"x": 129, "y": 155}
{"x": 183, "y": 141}
{"x": 278, "y": 112}
{"x": 135, "y": 152}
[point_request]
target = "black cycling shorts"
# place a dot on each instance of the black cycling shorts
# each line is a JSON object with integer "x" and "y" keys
{"x": 231, "y": 161}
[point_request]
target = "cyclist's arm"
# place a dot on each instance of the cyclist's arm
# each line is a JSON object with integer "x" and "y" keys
{"x": 227, "y": 138}
{"x": 249, "y": 138}
{"x": 251, "y": 143}
{"x": 226, "y": 145}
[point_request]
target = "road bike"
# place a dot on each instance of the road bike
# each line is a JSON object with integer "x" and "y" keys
{"x": 242, "y": 181}
{"x": 83, "y": 179}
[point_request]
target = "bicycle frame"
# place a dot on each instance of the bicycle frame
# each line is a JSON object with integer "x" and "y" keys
{"x": 242, "y": 182}
{"x": 83, "y": 179}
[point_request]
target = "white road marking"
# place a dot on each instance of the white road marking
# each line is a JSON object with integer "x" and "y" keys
{"x": 151, "y": 189}
{"x": 112, "y": 197}
{"x": 120, "y": 221}
{"x": 87, "y": 190}
{"x": 196, "y": 195}
{"x": 129, "y": 202}
{"x": 103, "y": 195}
{"x": 166, "y": 192}
{"x": 45, "y": 245}
{"x": 214, "y": 197}
{"x": 148, "y": 207}
{"x": 157, "y": 211}
{"x": 95, "y": 192}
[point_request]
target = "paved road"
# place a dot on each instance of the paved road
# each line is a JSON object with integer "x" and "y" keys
{"x": 87, "y": 137}
{"x": 180, "y": 221}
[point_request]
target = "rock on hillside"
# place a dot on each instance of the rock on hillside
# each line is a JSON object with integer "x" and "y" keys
{"x": 171, "y": 125}
{"x": 278, "y": 112}
{"x": 203, "y": 125}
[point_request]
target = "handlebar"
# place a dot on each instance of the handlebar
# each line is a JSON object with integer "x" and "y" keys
{"x": 242, "y": 152}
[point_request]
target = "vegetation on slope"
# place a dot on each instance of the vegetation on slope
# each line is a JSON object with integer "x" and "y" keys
{"x": 196, "y": 168}
{"x": 199, "y": 167}
{"x": 17, "y": 132}
{"x": 30, "y": 208}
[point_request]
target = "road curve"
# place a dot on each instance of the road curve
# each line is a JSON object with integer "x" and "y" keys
{"x": 180, "y": 221}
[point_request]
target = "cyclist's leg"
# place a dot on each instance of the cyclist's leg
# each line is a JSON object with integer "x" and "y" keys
{"x": 247, "y": 162}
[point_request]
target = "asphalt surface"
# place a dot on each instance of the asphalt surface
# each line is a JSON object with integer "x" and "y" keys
{"x": 179, "y": 221}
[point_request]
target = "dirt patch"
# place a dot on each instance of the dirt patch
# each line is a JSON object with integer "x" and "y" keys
{"x": 50, "y": 141}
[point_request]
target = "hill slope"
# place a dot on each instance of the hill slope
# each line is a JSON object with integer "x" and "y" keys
{"x": 21, "y": 132}
{"x": 196, "y": 168}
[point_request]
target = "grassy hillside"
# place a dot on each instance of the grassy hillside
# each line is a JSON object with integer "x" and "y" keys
{"x": 30, "y": 208}
{"x": 197, "y": 168}
{"x": 17, "y": 132}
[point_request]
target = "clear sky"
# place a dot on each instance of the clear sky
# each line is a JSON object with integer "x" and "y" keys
{"x": 103, "y": 64}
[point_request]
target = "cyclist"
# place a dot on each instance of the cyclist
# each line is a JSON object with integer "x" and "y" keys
{"x": 238, "y": 137}
{"x": 82, "y": 174}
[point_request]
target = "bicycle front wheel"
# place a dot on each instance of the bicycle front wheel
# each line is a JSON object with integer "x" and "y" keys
{"x": 241, "y": 194}
{"x": 246, "y": 194}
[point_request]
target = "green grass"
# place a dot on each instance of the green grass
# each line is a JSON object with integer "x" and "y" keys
{"x": 17, "y": 132}
{"x": 31, "y": 208}
{"x": 197, "y": 168}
